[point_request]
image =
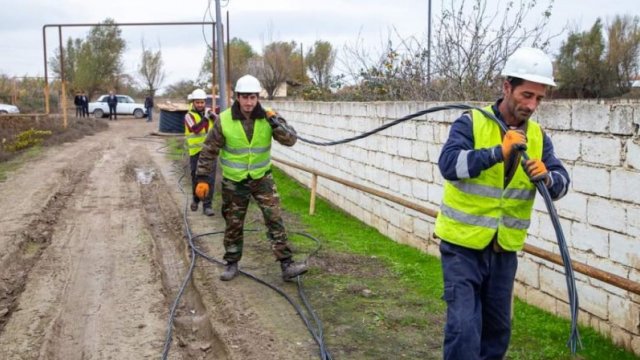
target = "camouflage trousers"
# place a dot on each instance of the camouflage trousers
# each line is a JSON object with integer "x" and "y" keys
{"x": 235, "y": 201}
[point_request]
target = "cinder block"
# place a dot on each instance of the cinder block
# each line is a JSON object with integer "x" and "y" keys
{"x": 587, "y": 238}
{"x": 419, "y": 150}
{"x": 625, "y": 250}
{"x": 599, "y": 150}
{"x": 572, "y": 206}
{"x": 566, "y": 145}
{"x": 593, "y": 300}
{"x": 633, "y": 221}
{"x": 419, "y": 190}
{"x": 624, "y": 185}
{"x": 625, "y": 314}
{"x": 633, "y": 154}
{"x": 425, "y": 132}
{"x": 606, "y": 214}
{"x": 590, "y": 117}
{"x": 552, "y": 115}
{"x": 553, "y": 282}
{"x": 591, "y": 180}
{"x": 404, "y": 148}
{"x": 528, "y": 272}
{"x": 622, "y": 120}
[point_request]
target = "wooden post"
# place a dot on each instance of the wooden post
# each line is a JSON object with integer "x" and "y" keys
{"x": 312, "y": 201}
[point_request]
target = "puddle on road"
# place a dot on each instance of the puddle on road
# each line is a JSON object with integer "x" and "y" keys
{"x": 145, "y": 175}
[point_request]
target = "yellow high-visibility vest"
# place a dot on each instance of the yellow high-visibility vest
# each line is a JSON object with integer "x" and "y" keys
{"x": 473, "y": 210}
{"x": 239, "y": 157}
{"x": 195, "y": 141}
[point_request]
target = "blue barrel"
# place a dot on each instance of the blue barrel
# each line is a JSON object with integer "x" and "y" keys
{"x": 172, "y": 121}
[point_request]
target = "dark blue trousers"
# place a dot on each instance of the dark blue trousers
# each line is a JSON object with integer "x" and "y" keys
{"x": 477, "y": 288}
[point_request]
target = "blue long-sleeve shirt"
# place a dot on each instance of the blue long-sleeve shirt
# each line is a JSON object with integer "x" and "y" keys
{"x": 459, "y": 160}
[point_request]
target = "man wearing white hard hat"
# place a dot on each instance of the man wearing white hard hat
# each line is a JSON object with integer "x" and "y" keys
{"x": 242, "y": 140}
{"x": 198, "y": 121}
{"x": 487, "y": 204}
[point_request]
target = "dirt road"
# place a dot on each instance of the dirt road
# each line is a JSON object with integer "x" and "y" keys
{"x": 93, "y": 252}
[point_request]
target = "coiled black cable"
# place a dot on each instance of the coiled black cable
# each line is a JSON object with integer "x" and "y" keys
{"x": 574, "y": 338}
{"x": 316, "y": 333}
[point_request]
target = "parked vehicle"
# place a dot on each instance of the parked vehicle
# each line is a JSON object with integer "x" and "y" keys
{"x": 126, "y": 106}
{"x": 9, "y": 109}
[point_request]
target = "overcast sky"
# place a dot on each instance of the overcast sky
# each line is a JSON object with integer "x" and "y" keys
{"x": 257, "y": 21}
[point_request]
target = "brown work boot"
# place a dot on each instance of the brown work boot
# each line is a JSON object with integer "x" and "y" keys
{"x": 291, "y": 269}
{"x": 207, "y": 210}
{"x": 194, "y": 206}
{"x": 230, "y": 271}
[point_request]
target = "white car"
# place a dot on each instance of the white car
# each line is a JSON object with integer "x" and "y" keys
{"x": 126, "y": 106}
{"x": 9, "y": 109}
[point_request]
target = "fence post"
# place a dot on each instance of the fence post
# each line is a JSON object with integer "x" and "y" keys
{"x": 312, "y": 201}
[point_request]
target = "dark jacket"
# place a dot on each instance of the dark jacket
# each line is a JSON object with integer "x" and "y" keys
{"x": 148, "y": 102}
{"x": 112, "y": 101}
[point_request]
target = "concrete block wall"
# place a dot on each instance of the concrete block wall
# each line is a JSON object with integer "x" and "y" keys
{"x": 598, "y": 142}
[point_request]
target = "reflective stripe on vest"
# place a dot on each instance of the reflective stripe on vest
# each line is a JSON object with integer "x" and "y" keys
{"x": 194, "y": 141}
{"x": 473, "y": 210}
{"x": 240, "y": 158}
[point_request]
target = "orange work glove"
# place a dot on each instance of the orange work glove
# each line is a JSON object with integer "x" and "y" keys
{"x": 202, "y": 189}
{"x": 536, "y": 170}
{"x": 513, "y": 139}
{"x": 272, "y": 118}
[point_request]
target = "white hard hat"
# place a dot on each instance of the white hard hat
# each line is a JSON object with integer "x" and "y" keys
{"x": 248, "y": 85}
{"x": 530, "y": 64}
{"x": 198, "y": 94}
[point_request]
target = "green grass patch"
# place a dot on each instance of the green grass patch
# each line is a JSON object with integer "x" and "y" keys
{"x": 15, "y": 163}
{"x": 175, "y": 149}
{"x": 382, "y": 300}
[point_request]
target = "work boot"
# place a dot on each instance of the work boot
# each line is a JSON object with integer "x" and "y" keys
{"x": 230, "y": 271}
{"x": 207, "y": 210}
{"x": 291, "y": 269}
{"x": 194, "y": 206}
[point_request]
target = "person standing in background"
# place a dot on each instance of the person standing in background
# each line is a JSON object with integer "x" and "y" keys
{"x": 148, "y": 104}
{"x": 198, "y": 121}
{"x": 112, "y": 101}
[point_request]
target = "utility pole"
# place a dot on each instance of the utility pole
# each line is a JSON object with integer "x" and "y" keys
{"x": 222, "y": 81}
{"x": 429, "y": 48}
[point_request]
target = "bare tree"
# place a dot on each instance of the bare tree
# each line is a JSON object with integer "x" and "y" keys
{"x": 472, "y": 44}
{"x": 274, "y": 68}
{"x": 150, "y": 69}
{"x": 320, "y": 60}
{"x": 396, "y": 72}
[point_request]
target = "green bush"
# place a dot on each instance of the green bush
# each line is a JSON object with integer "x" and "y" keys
{"x": 26, "y": 139}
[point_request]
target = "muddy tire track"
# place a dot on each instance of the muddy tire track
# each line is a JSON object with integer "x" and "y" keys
{"x": 193, "y": 335}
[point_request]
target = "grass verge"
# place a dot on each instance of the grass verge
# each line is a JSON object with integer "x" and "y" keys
{"x": 381, "y": 300}
{"x": 15, "y": 163}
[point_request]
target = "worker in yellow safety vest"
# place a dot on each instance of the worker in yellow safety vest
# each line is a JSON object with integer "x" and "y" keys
{"x": 198, "y": 121}
{"x": 242, "y": 140}
{"x": 487, "y": 203}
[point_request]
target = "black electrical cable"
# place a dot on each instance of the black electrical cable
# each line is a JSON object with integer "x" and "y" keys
{"x": 316, "y": 333}
{"x": 574, "y": 338}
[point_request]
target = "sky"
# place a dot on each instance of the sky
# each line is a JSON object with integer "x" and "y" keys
{"x": 341, "y": 22}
